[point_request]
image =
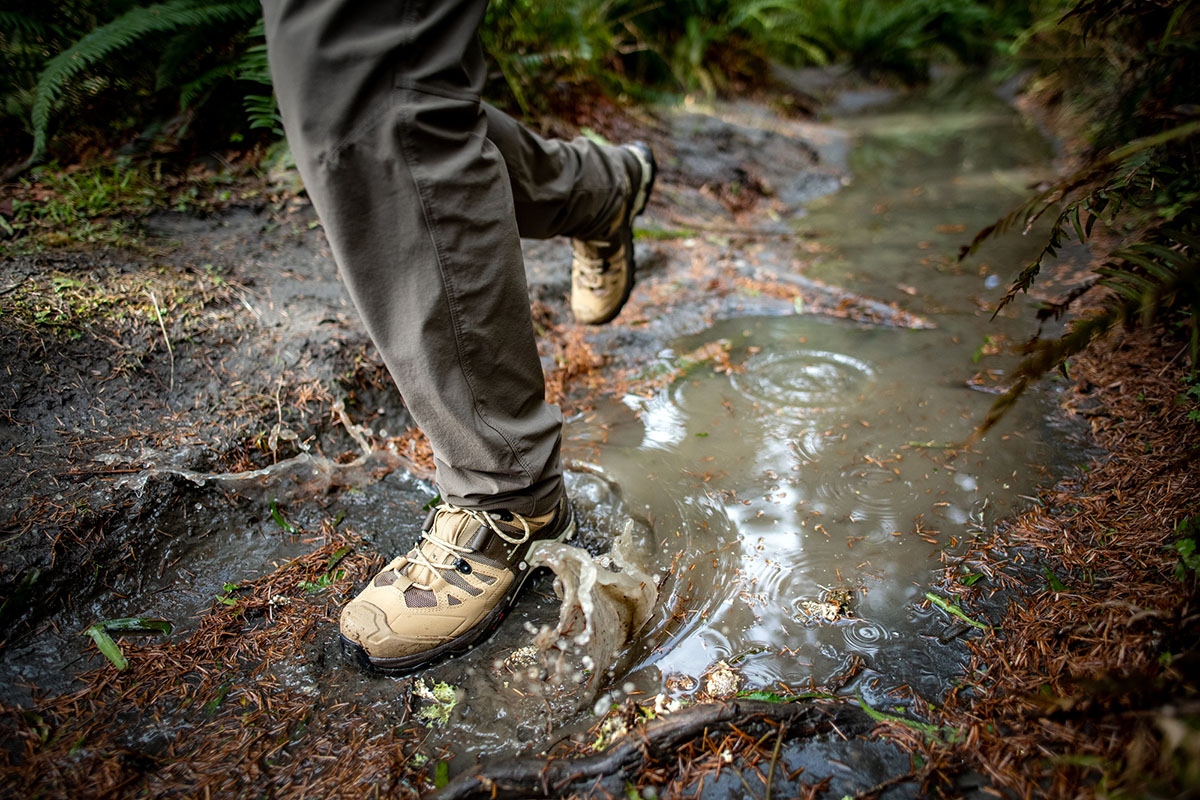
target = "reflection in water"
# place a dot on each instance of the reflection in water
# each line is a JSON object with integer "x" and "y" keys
{"x": 818, "y": 465}
{"x": 812, "y": 466}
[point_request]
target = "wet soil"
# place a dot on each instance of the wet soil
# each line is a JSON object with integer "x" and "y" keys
{"x": 226, "y": 344}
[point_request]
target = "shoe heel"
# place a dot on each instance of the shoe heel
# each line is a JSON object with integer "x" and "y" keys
{"x": 649, "y": 167}
{"x": 567, "y": 532}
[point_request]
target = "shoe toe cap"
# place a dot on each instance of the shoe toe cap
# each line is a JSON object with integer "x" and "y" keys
{"x": 367, "y": 626}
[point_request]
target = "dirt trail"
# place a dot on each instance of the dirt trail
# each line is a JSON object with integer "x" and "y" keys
{"x": 228, "y": 345}
{"x": 222, "y": 346}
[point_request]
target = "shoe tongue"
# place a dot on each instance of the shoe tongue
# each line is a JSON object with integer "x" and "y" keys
{"x": 456, "y": 527}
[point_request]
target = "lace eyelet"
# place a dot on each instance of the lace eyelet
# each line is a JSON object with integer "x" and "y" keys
{"x": 463, "y": 566}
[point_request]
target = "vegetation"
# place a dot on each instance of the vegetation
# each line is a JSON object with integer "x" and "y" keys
{"x": 207, "y": 82}
{"x": 1122, "y": 67}
{"x": 1139, "y": 177}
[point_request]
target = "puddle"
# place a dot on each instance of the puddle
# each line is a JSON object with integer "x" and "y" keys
{"x": 817, "y": 467}
{"x": 787, "y": 512}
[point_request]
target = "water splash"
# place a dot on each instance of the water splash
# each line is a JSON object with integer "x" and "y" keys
{"x": 302, "y": 475}
{"x": 602, "y": 608}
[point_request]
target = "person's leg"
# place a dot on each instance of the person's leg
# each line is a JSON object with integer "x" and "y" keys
{"x": 586, "y": 191}
{"x": 560, "y": 188}
{"x": 381, "y": 105}
{"x": 380, "y": 100}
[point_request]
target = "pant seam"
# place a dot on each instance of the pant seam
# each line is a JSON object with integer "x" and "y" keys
{"x": 451, "y": 299}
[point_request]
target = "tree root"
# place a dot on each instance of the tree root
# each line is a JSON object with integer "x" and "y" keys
{"x": 560, "y": 776}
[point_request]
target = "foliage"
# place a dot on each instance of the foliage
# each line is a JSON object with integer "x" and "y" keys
{"x": 61, "y": 61}
{"x": 1140, "y": 180}
{"x": 880, "y": 37}
{"x": 442, "y": 699}
{"x": 1191, "y": 396}
{"x": 90, "y": 58}
{"x": 101, "y": 203}
{"x": 533, "y": 43}
{"x": 85, "y": 205}
{"x": 1187, "y": 545}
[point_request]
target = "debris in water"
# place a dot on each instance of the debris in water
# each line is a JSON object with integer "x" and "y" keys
{"x": 443, "y": 698}
{"x": 521, "y": 658}
{"x": 722, "y": 681}
{"x": 834, "y": 606}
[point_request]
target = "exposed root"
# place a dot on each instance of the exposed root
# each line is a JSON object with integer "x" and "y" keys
{"x": 660, "y": 740}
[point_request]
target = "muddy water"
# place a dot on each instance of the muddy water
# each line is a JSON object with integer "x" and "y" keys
{"x": 823, "y": 467}
{"x": 815, "y": 469}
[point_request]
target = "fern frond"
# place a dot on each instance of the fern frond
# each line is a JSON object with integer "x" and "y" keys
{"x": 191, "y": 91}
{"x": 262, "y": 112}
{"x": 1148, "y": 280}
{"x": 118, "y": 35}
{"x": 16, "y": 22}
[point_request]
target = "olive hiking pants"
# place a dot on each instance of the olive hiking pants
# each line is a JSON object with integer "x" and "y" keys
{"x": 423, "y": 192}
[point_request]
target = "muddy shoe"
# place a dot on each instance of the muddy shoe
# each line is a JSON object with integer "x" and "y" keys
{"x": 449, "y": 592}
{"x": 602, "y": 270}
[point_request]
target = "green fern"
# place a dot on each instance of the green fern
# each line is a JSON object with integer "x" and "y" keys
{"x": 13, "y": 22}
{"x": 1141, "y": 180}
{"x": 117, "y": 35}
{"x": 1147, "y": 282}
{"x": 262, "y": 110}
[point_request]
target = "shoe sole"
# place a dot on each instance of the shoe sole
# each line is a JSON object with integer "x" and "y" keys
{"x": 406, "y": 665}
{"x": 648, "y": 164}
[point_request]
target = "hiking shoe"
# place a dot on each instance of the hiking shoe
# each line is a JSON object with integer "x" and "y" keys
{"x": 450, "y": 591}
{"x": 602, "y": 270}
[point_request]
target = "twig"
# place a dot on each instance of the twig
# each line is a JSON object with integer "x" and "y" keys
{"x": 745, "y": 785}
{"x": 775, "y": 759}
{"x": 887, "y": 784}
{"x": 527, "y": 777}
{"x": 16, "y": 285}
{"x": 170, "y": 352}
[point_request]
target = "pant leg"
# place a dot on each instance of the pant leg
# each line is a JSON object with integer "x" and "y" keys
{"x": 380, "y": 102}
{"x": 560, "y": 188}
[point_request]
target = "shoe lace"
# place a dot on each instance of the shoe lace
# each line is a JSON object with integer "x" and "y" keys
{"x": 592, "y": 262}
{"x": 451, "y": 549}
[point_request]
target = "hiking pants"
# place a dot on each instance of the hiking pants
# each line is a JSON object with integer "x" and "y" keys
{"x": 423, "y": 192}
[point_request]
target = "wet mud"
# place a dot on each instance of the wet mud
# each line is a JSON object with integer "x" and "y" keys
{"x": 768, "y": 454}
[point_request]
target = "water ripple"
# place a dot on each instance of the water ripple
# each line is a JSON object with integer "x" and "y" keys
{"x": 865, "y": 637}
{"x": 863, "y": 492}
{"x": 803, "y": 378}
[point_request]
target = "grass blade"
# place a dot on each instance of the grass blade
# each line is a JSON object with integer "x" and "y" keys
{"x": 106, "y": 645}
{"x": 882, "y": 716}
{"x": 954, "y": 610}
{"x": 277, "y": 515}
{"x": 135, "y": 625}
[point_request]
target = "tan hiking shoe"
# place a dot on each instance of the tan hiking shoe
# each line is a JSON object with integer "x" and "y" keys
{"x": 449, "y": 592}
{"x": 602, "y": 271}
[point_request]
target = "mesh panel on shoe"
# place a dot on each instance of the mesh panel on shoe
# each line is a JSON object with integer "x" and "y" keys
{"x": 419, "y": 598}
{"x": 385, "y": 578}
{"x": 451, "y": 577}
{"x": 454, "y": 601}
